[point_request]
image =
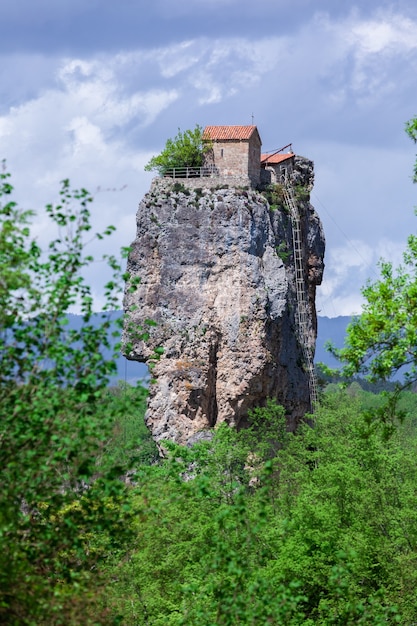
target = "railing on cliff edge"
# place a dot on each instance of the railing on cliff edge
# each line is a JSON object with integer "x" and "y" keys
{"x": 300, "y": 286}
{"x": 191, "y": 172}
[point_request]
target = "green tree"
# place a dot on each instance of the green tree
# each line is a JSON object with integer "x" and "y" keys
{"x": 187, "y": 149}
{"x": 63, "y": 507}
{"x": 382, "y": 340}
{"x": 325, "y": 534}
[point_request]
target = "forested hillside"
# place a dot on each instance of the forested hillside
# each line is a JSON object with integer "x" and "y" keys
{"x": 262, "y": 527}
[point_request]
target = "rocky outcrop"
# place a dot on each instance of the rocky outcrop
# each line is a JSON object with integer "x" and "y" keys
{"x": 217, "y": 277}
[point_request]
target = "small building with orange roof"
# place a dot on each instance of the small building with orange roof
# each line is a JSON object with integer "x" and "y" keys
{"x": 236, "y": 151}
{"x": 276, "y": 164}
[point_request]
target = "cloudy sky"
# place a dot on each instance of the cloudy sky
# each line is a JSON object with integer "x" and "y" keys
{"x": 91, "y": 89}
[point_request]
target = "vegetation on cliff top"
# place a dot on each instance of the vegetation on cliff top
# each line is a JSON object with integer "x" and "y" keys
{"x": 187, "y": 149}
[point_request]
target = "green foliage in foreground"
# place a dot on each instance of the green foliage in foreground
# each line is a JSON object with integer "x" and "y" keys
{"x": 265, "y": 527}
{"x": 63, "y": 506}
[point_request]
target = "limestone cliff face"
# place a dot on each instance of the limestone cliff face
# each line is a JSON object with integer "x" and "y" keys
{"x": 217, "y": 277}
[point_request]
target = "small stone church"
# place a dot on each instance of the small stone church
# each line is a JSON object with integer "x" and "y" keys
{"x": 236, "y": 153}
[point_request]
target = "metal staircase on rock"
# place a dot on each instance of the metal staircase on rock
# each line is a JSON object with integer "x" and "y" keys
{"x": 302, "y": 307}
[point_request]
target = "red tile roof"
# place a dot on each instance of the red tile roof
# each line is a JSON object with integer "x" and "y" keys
{"x": 222, "y": 133}
{"x": 275, "y": 158}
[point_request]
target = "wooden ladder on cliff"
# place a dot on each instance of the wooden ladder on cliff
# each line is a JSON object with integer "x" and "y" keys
{"x": 300, "y": 286}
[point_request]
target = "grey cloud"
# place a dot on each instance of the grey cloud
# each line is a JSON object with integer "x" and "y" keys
{"x": 80, "y": 27}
